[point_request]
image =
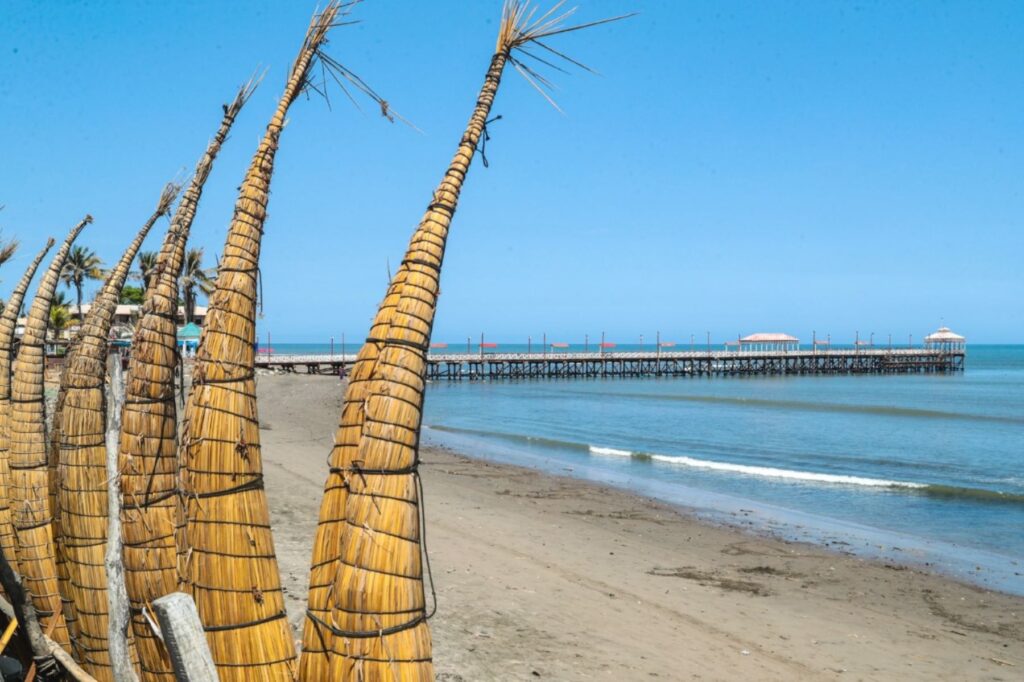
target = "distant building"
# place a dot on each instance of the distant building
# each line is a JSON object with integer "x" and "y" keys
{"x": 769, "y": 341}
{"x": 125, "y": 317}
{"x": 188, "y": 338}
{"x": 944, "y": 339}
{"x": 128, "y": 313}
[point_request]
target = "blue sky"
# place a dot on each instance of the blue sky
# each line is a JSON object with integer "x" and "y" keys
{"x": 735, "y": 167}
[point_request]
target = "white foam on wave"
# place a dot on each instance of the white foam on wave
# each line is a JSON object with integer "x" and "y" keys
{"x": 766, "y": 472}
{"x": 594, "y": 450}
{"x": 771, "y": 472}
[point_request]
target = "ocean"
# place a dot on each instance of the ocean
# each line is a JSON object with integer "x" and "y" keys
{"x": 917, "y": 469}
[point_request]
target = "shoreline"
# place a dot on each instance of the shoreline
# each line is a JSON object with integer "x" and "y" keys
{"x": 973, "y": 566}
{"x": 541, "y": 575}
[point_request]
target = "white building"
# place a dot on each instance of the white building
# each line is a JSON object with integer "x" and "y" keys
{"x": 769, "y": 342}
{"x": 944, "y": 339}
{"x": 125, "y": 317}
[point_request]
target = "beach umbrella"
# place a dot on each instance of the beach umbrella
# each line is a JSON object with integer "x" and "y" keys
{"x": 31, "y": 512}
{"x": 367, "y": 602}
{"x": 79, "y": 426}
{"x": 8, "y": 322}
{"x": 147, "y": 455}
{"x": 231, "y": 568}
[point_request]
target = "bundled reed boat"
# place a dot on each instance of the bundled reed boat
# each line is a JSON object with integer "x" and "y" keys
{"x": 367, "y": 608}
{"x": 230, "y": 567}
{"x": 79, "y": 434}
{"x": 194, "y": 514}
{"x": 148, "y": 456}
{"x": 31, "y": 511}
{"x": 8, "y": 322}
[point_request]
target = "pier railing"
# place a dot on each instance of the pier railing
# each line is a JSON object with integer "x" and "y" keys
{"x": 483, "y": 366}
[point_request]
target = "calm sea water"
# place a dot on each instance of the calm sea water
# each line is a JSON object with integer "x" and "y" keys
{"x": 923, "y": 468}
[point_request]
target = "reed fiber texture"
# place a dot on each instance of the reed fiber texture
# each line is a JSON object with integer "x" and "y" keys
{"x": 31, "y": 512}
{"x": 367, "y": 603}
{"x": 148, "y": 457}
{"x": 80, "y": 426}
{"x": 8, "y": 322}
{"x": 53, "y": 477}
{"x": 231, "y": 567}
{"x": 368, "y": 555}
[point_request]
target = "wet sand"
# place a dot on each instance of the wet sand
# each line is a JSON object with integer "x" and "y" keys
{"x": 547, "y": 577}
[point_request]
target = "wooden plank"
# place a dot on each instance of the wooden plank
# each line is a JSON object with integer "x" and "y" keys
{"x": 35, "y": 634}
{"x": 73, "y": 670}
{"x": 184, "y": 638}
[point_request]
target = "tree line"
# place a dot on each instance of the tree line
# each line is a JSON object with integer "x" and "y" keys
{"x": 83, "y": 266}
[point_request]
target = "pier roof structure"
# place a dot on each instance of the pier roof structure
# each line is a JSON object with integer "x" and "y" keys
{"x": 945, "y": 338}
{"x": 943, "y": 334}
{"x": 769, "y": 341}
{"x": 769, "y": 338}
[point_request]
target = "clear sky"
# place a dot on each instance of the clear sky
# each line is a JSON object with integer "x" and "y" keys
{"x": 735, "y": 167}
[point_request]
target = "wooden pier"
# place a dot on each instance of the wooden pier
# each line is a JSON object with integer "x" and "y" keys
{"x": 499, "y": 366}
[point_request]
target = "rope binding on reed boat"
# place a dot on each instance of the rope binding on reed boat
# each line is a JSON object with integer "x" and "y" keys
{"x": 421, "y": 520}
{"x": 481, "y": 145}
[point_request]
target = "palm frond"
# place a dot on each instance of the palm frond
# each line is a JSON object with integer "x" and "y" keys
{"x": 8, "y": 250}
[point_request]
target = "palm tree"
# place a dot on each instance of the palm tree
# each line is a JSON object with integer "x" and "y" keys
{"x": 7, "y": 250}
{"x": 147, "y": 268}
{"x": 82, "y": 264}
{"x": 193, "y": 277}
{"x": 59, "y": 314}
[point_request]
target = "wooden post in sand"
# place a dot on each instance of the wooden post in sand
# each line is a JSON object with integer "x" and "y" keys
{"x": 117, "y": 592}
{"x": 184, "y": 638}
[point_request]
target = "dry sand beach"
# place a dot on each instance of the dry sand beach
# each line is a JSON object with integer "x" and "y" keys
{"x": 546, "y": 577}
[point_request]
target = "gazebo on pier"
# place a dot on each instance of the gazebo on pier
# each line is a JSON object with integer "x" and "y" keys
{"x": 769, "y": 342}
{"x": 946, "y": 340}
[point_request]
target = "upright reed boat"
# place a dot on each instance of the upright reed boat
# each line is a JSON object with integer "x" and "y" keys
{"x": 148, "y": 455}
{"x": 8, "y": 322}
{"x": 80, "y": 425}
{"x": 229, "y": 566}
{"x": 367, "y": 612}
{"x": 31, "y": 512}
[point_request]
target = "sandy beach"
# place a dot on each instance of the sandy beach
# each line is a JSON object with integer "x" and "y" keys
{"x": 547, "y": 577}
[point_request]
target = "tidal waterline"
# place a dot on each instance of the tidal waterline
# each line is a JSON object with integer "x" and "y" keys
{"x": 929, "y": 464}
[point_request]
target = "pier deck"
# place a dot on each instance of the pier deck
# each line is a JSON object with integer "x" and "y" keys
{"x": 496, "y": 366}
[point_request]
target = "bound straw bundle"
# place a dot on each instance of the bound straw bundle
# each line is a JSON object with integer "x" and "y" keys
{"x": 367, "y": 556}
{"x": 30, "y": 489}
{"x": 231, "y": 568}
{"x": 8, "y": 321}
{"x": 148, "y": 449}
{"x": 80, "y": 426}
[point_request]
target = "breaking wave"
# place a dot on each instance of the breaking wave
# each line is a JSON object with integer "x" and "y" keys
{"x": 929, "y": 489}
{"x": 934, "y": 490}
